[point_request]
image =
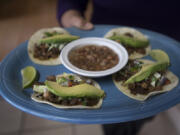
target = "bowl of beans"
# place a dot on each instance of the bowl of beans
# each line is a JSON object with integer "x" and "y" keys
{"x": 94, "y": 57}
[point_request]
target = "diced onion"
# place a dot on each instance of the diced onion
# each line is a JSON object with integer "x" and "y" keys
{"x": 153, "y": 83}
{"x": 157, "y": 75}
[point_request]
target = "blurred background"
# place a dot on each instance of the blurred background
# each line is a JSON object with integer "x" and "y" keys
{"x": 19, "y": 19}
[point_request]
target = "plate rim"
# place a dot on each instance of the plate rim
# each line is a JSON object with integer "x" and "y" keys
{"x": 80, "y": 121}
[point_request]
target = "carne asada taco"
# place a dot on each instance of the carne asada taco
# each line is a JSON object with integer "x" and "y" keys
{"x": 134, "y": 41}
{"x": 45, "y": 45}
{"x": 69, "y": 91}
{"x": 140, "y": 79}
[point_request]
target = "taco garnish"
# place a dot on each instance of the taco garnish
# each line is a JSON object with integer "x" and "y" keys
{"x": 151, "y": 78}
{"x": 45, "y": 45}
{"x": 161, "y": 65}
{"x": 132, "y": 67}
{"x": 134, "y": 41}
{"x": 69, "y": 91}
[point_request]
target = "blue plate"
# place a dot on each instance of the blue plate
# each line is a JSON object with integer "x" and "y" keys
{"x": 116, "y": 106}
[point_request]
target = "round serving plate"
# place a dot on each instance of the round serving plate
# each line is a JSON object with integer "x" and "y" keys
{"x": 116, "y": 106}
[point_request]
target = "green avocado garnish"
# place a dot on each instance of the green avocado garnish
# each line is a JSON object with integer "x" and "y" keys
{"x": 130, "y": 41}
{"x": 147, "y": 70}
{"x": 160, "y": 56}
{"x": 63, "y": 38}
{"x": 82, "y": 90}
{"x": 50, "y": 34}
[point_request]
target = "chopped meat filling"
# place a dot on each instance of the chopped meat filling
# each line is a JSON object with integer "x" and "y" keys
{"x": 67, "y": 82}
{"x": 129, "y": 34}
{"x": 87, "y": 101}
{"x": 42, "y": 52}
{"x": 144, "y": 87}
{"x": 39, "y": 83}
{"x": 129, "y": 70}
{"x": 132, "y": 50}
{"x": 51, "y": 78}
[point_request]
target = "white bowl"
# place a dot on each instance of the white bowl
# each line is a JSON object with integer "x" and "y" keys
{"x": 116, "y": 47}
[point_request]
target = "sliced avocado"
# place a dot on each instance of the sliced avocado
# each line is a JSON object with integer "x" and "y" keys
{"x": 159, "y": 55}
{"x": 50, "y": 34}
{"x": 82, "y": 90}
{"x": 39, "y": 88}
{"x": 64, "y": 38}
{"x": 162, "y": 63}
{"x": 130, "y": 41}
{"x": 146, "y": 71}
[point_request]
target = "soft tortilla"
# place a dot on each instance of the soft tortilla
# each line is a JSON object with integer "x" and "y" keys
{"x": 124, "y": 89}
{"x": 35, "y": 38}
{"x": 35, "y": 97}
{"x": 135, "y": 33}
{"x": 39, "y": 100}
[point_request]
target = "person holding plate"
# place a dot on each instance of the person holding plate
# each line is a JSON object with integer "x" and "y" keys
{"x": 160, "y": 16}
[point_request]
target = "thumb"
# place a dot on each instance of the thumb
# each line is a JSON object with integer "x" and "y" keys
{"x": 81, "y": 23}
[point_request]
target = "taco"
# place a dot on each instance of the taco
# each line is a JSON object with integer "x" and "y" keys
{"x": 69, "y": 91}
{"x": 140, "y": 79}
{"x": 45, "y": 45}
{"x": 134, "y": 41}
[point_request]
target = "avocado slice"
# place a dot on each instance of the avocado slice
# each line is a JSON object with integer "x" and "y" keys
{"x": 159, "y": 55}
{"x": 64, "y": 38}
{"x": 130, "y": 41}
{"x": 82, "y": 90}
{"x": 146, "y": 71}
{"x": 162, "y": 63}
{"x": 50, "y": 34}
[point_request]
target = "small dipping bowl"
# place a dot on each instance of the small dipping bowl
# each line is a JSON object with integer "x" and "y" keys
{"x": 116, "y": 47}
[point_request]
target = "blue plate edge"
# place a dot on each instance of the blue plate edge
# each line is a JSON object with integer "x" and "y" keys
{"x": 70, "y": 120}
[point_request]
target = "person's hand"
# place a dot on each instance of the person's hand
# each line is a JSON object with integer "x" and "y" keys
{"x": 73, "y": 18}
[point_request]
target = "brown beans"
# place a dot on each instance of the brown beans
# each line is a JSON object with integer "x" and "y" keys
{"x": 93, "y": 58}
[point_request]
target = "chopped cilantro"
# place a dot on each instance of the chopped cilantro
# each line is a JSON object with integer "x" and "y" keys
{"x": 71, "y": 77}
{"x": 61, "y": 80}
